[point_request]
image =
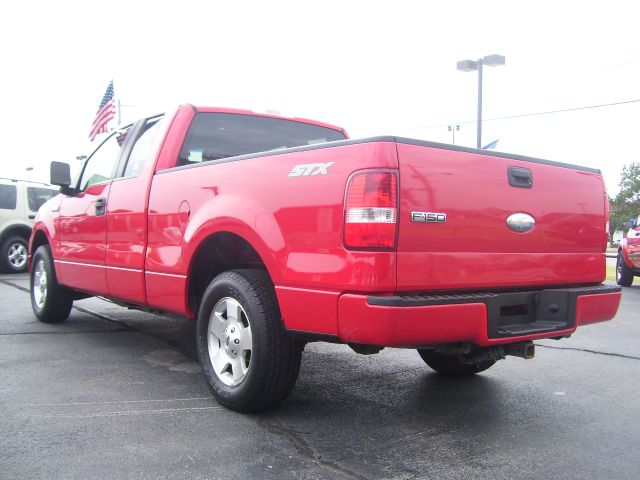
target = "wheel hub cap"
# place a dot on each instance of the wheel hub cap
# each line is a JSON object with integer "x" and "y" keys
{"x": 17, "y": 255}
{"x": 40, "y": 284}
{"x": 229, "y": 341}
{"x": 232, "y": 340}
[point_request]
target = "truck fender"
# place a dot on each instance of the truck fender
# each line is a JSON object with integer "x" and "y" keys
{"x": 625, "y": 253}
{"x": 244, "y": 217}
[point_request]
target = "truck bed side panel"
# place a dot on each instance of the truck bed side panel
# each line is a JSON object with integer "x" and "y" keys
{"x": 294, "y": 222}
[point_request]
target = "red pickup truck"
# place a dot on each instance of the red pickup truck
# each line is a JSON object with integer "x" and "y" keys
{"x": 628, "y": 263}
{"x": 273, "y": 232}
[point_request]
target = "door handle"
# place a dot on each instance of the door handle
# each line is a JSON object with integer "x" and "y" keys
{"x": 520, "y": 177}
{"x": 100, "y": 204}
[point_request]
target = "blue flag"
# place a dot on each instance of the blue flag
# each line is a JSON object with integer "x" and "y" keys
{"x": 491, "y": 146}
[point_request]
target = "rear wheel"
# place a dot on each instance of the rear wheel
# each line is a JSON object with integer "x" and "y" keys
{"x": 51, "y": 302}
{"x": 452, "y": 365}
{"x": 250, "y": 362}
{"x": 624, "y": 275}
{"x": 14, "y": 255}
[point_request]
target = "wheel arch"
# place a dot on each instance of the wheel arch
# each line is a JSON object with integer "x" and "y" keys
{"x": 215, "y": 253}
{"x": 18, "y": 229}
{"x": 625, "y": 253}
{"x": 39, "y": 238}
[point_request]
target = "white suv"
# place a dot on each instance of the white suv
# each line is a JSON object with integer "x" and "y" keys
{"x": 19, "y": 202}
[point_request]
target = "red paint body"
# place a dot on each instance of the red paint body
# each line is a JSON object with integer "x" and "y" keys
{"x": 142, "y": 250}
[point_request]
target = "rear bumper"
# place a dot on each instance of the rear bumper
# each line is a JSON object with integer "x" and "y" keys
{"x": 483, "y": 318}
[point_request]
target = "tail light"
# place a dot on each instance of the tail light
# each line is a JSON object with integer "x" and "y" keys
{"x": 371, "y": 210}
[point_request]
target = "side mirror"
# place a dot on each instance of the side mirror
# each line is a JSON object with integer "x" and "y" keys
{"x": 61, "y": 176}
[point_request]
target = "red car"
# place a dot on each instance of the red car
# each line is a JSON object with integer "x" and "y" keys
{"x": 628, "y": 262}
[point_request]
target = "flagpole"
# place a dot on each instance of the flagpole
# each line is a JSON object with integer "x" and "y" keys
{"x": 119, "y": 115}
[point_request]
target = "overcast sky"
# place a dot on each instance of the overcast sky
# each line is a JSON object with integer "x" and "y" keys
{"x": 370, "y": 67}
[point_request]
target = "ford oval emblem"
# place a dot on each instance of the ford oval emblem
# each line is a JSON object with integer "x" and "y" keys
{"x": 521, "y": 222}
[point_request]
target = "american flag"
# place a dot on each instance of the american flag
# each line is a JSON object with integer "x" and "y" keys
{"x": 491, "y": 146}
{"x": 106, "y": 112}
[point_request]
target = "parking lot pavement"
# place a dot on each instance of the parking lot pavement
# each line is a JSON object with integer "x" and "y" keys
{"x": 114, "y": 393}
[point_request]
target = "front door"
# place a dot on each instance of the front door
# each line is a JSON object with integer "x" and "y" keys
{"x": 127, "y": 213}
{"x": 80, "y": 259}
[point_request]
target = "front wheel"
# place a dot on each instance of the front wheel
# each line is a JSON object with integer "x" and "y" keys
{"x": 624, "y": 275}
{"x": 51, "y": 302}
{"x": 452, "y": 365}
{"x": 250, "y": 362}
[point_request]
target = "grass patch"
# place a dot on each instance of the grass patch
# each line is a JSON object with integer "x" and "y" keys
{"x": 611, "y": 272}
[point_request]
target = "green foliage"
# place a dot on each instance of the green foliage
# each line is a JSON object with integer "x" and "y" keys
{"x": 630, "y": 184}
{"x": 626, "y": 205}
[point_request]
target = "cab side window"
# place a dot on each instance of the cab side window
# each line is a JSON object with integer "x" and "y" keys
{"x": 101, "y": 165}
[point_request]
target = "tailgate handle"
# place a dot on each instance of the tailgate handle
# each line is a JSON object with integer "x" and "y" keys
{"x": 520, "y": 177}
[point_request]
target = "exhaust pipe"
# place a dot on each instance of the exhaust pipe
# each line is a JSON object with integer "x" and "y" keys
{"x": 526, "y": 350}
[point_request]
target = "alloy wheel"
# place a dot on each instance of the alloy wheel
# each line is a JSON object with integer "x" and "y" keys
{"x": 17, "y": 255}
{"x": 230, "y": 341}
{"x": 40, "y": 284}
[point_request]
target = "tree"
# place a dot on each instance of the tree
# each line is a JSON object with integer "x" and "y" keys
{"x": 626, "y": 205}
{"x": 630, "y": 184}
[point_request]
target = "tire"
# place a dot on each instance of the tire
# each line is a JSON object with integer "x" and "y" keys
{"x": 249, "y": 360}
{"x": 451, "y": 365}
{"x": 51, "y": 302}
{"x": 14, "y": 255}
{"x": 624, "y": 275}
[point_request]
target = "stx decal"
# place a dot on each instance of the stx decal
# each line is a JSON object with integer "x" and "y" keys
{"x": 310, "y": 169}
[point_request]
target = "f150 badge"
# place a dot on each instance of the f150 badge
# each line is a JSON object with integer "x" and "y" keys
{"x": 428, "y": 217}
{"x": 310, "y": 169}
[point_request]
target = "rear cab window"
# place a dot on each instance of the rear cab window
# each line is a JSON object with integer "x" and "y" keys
{"x": 214, "y": 136}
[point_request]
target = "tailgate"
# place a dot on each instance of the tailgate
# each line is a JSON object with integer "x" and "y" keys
{"x": 474, "y": 248}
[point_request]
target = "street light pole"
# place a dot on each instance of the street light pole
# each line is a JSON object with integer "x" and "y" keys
{"x": 479, "y": 138}
{"x": 453, "y": 129}
{"x": 471, "y": 66}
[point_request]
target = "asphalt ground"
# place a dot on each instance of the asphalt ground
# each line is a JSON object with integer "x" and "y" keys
{"x": 114, "y": 393}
